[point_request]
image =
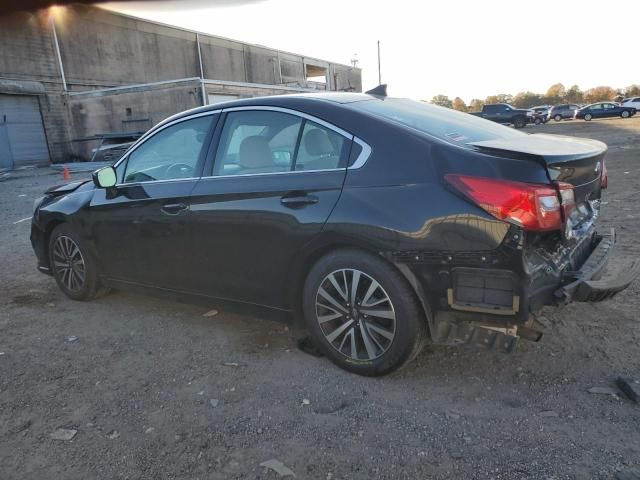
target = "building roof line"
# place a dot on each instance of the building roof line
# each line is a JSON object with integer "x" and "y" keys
{"x": 102, "y": 91}
{"x": 198, "y": 32}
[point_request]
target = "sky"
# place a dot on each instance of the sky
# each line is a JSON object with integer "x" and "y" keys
{"x": 466, "y": 48}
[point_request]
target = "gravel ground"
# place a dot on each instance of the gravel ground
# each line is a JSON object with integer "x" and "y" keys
{"x": 155, "y": 389}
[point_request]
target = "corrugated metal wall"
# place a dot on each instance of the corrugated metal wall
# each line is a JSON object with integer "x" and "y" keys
{"x": 23, "y": 141}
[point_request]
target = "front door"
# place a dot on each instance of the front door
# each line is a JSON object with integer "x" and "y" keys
{"x": 275, "y": 179}
{"x": 140, "y": 227}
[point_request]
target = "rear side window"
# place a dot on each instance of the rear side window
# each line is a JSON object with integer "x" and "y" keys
{"x": 444, "y": 123}
{"x": 257, "y": 142}
{"x": 262, "y": 141}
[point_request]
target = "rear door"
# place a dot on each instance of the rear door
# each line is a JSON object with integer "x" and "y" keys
{"x": 610, "y": 110}
{"x": 140, "y": 227}
{"x": 270, "y": 187}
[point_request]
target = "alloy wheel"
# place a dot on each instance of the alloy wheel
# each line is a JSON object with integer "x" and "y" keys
{"x": 69, "y": 263}
{"x": 355, "y": 314}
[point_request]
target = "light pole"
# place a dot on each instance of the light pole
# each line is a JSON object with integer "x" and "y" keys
{"x": 379, "y": 73}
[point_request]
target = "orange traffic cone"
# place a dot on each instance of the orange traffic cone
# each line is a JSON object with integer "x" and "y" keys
{"x": 65, "y": 173}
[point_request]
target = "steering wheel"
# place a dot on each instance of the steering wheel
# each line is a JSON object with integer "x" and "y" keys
{"x": 179, "y": 170}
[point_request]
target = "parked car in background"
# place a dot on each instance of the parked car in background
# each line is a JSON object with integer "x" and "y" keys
{"x": 631, "y": 102}
{"x": 505, "y": 114}
{"x": 383, "y": 223}
{"x": 604, "y": 110}
{"x": 562, "y": 112}
{"x": 540, "y": 114}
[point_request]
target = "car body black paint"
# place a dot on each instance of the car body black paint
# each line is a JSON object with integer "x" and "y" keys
{"x": 237, "y": 240}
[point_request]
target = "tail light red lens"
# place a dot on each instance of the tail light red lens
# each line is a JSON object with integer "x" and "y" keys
{"x": 531, "y": 206}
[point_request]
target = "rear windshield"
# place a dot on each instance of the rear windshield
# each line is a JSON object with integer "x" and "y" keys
{"x": 441, "y": 122}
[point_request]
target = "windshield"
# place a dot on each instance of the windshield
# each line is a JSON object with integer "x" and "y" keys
{"x": 444, "y": 123}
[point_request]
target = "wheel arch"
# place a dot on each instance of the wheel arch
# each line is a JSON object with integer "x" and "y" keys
{"x": 303, "y": 264}
{"x": 49, "y": 226}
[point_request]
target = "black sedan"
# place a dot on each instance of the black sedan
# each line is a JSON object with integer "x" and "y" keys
{"x": 604, "y": 110}
{"x": 383, "y": 223}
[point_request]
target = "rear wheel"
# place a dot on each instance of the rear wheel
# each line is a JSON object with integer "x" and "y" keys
{"x": 587, "y": 117}
{"x": 557, "y": 117}
{"x": 72, "y": 266}
{"x": 625, "y": 114}
{"x": 537, "y": 121}
{"x": 362, "y": 313}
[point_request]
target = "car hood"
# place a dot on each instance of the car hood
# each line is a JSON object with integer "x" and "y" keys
{"x": 69, "y": 187}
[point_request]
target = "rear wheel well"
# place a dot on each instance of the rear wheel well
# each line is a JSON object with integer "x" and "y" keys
{"x": 299, "y": 277}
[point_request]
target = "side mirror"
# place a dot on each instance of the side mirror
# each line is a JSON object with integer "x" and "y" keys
{"x": 105, "y": 177}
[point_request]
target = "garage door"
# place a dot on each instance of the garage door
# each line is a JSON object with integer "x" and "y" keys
{"x": 22, "y": 139}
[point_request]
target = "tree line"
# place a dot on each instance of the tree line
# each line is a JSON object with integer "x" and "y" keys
{"x": 557, "y": 93}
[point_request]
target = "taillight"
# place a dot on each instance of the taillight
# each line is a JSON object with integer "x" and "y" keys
{"x": 531, "y": 206}
{"x": 604, "y": 177}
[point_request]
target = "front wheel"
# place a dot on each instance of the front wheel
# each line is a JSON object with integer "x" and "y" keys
{"x": 537, "y": 121}
{"x": 73, "y": 268}
{"x": 587, "y": 117}
{"x": 362, "y": 313}
{"x": 625, "y": 114}
{"x": 557, "y": 118}
{"x": 519, "y": 122}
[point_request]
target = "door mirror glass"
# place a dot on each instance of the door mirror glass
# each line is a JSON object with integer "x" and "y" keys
{"x": 105, "y": 177}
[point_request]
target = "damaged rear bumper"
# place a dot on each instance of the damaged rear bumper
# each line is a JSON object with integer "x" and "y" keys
{"x": 587, "y": 286}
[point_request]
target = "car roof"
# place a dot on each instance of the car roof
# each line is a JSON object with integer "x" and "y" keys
{"x": 285, "y": 101}
{"x": 335, "y": 97}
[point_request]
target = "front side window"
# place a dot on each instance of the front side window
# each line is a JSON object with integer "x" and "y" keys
{"x": 262, "y": 141}
{"x": 597, "y": 106}
{"x": 172, "y": 153}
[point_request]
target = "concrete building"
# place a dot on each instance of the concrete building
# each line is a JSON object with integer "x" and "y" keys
{"x": 69, "y": 74}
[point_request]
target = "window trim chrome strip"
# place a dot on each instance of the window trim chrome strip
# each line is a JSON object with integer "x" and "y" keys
{"x": 168, "y": 180}
{"x": 357, "y": 164}
{"x": 364, "y": 154}
{"x": 287, "y": 172}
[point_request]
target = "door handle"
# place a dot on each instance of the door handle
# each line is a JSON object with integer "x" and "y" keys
{"x": 301, "y": 200}
{"x": 173, "y": 208}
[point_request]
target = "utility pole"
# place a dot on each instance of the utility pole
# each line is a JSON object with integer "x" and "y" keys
{"x": 379, "y": 74}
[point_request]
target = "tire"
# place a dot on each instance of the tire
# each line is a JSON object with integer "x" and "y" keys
{"x": 587, "y": 117}
{"x": 557, "y": 118}
{"x": 625, "y": 114}
{"x": 519, "y": 122}
{"x": 537, "y": 121}
{"x": 72, "y": 266}
{"x": 395, "y": 329}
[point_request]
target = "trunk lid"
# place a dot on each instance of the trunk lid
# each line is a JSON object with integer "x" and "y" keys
{"x": 578, "y": 161}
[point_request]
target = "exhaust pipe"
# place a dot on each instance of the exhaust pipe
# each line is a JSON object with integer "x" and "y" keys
{"x": 529, "y": 334}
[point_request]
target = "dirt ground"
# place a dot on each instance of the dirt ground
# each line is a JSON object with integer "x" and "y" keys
{"x": 157, "y": 390}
